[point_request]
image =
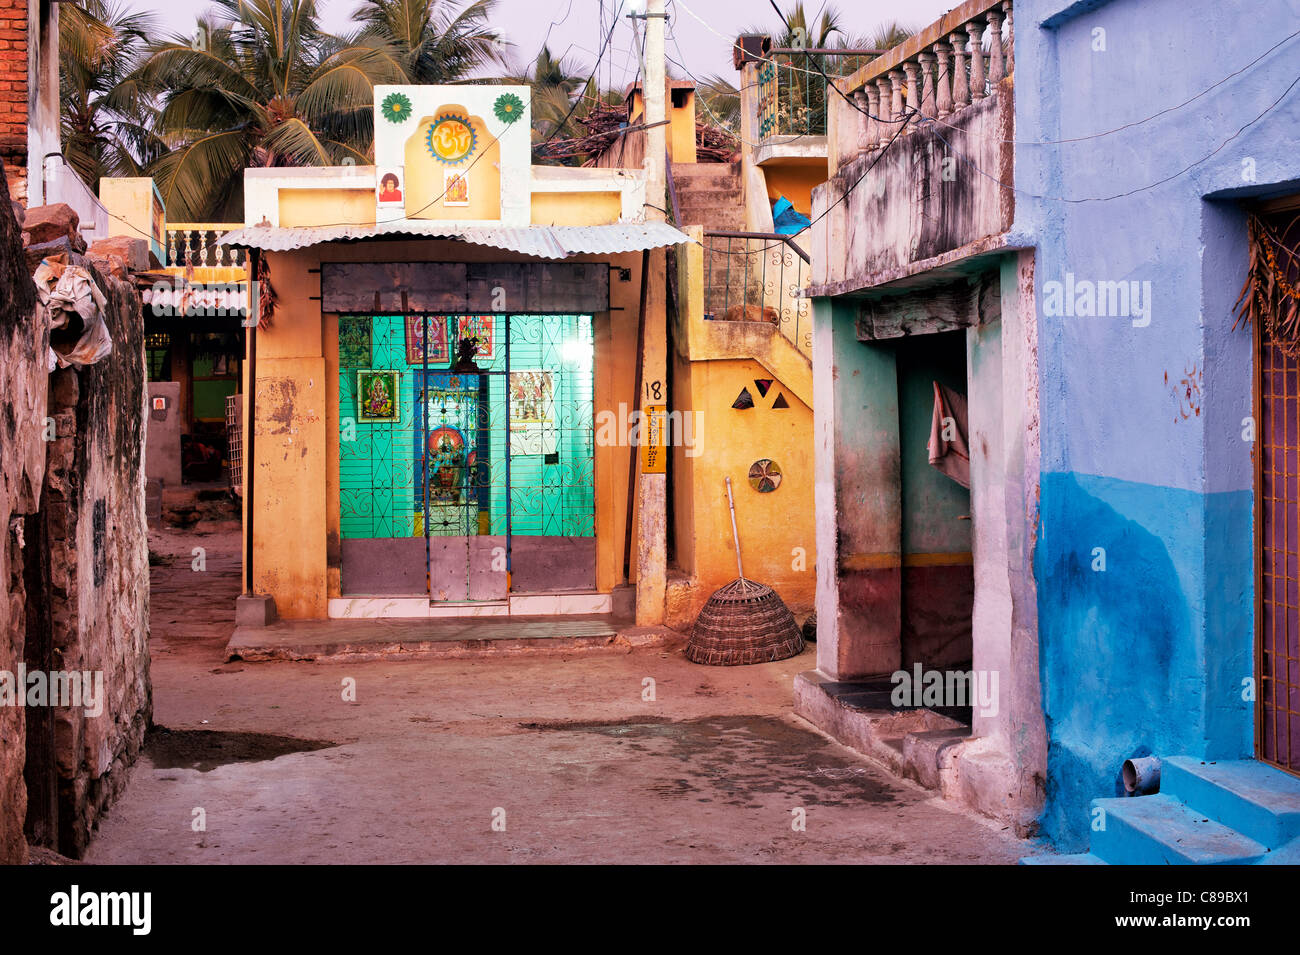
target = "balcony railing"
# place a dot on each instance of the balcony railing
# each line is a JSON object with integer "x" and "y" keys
{"x": 945, "y": 68}
{"x": 758, "y": 277}
{"x": 195, "y": 244}
{"x": 792, "y": 89}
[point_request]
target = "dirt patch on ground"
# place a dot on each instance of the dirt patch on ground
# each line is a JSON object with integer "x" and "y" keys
{"x": 205, "y": 750}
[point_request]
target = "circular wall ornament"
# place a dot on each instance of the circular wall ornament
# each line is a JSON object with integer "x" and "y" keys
{"x": 396, "y": 107}
{"x": 451, "y": 139}
{"x": 508, "y": 107}
{"x": 764, "y": 475}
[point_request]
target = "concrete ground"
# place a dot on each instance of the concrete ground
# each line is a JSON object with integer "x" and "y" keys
{"x": 525, "y": 758}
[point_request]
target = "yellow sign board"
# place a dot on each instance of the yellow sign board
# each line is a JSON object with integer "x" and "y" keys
{"x": 654, "y": 440}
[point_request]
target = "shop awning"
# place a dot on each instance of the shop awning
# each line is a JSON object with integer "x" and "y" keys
{"x": 547, "y": 242}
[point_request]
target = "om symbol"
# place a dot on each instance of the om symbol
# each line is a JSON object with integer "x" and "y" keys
{"x": 451, "y": 139}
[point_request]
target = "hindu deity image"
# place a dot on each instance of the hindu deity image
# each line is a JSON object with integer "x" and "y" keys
{"x": 377, "y": 396}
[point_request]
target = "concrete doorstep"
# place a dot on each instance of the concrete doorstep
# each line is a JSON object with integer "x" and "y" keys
{"x": 449, "y": 638}
{"x": 910, "y": 742}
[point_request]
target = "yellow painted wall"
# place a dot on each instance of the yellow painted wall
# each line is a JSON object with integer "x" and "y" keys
{"x": 290, "y": 446}
{"x": 129, "y": 199}
{"x": 576, "y": 208}
{"x": 318, "y": 207}
{"x": 771, "y": 525}
{"x": 712, "y": 364}
{"x": 426, "y": 182}
{"x": 795, "y": 180}
{"x": 296, "y": 507}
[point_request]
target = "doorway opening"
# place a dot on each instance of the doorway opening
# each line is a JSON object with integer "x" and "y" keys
{"x": 1276, "y": 239}
{"x": 938, "y": 580}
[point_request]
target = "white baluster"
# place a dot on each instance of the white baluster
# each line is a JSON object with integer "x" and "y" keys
{"x": 943, "y": 97}
{"x": 976, "y": 31}
{"x": 926, "y": 59}
{"x": 960, "y": 82}
{"x": 885, "y": 90}
{"x": 1011, "y": 39}
{"x": 997, "y": 67}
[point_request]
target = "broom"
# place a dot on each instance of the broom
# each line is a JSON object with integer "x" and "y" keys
{"x": 743, "y": 622}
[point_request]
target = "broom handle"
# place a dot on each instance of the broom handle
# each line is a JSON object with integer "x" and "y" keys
{"x": 735, "y": 534}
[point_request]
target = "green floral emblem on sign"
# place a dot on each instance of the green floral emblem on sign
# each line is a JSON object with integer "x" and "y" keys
{"x": 508, "y": 107}
{"x": 396, "y": 107}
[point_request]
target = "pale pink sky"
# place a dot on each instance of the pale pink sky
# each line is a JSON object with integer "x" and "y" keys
{"x": 580, "y": 33}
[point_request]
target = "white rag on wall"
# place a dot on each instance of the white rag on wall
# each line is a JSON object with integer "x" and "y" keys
{"x": 948, "y": 449}
{"x": 66, "y": 290}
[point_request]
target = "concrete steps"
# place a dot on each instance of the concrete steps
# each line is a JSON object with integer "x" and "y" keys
{"x": 1253, "y": 798}
{"x": 1162, "y": 830}
{"x": 1232, "y": 812}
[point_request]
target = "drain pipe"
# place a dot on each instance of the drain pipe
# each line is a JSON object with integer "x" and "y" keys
{"x": 1141, "y": 775}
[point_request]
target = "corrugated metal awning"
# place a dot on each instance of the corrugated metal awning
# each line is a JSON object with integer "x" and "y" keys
{"x": 547, "y": 242}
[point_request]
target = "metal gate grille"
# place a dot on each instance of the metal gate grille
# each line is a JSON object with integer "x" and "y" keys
{"x": 1278, "y": 537}
{"x": 482, "y": 482}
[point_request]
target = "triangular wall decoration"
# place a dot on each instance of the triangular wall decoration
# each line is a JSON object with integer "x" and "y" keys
{"x": 743, "y": 400}
{"x": 780, "y": 401}
{"x": 762, "y": 384}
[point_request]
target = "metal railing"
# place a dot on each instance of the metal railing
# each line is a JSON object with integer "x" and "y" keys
{"x": 792, "y": 90}
{"x": 758, "y": 277}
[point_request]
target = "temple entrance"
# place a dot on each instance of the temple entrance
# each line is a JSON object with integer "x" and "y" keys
{"x": 466, "y": 478}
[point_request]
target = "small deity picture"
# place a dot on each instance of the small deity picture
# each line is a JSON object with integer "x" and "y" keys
{"x": 416, "y": 327}
{"x": 377, "y": 395}
{"x": 455, "y": 188}
{"x": 390, "y": 187}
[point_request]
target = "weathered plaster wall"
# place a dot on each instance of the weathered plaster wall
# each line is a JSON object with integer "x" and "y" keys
{"x": 1142, "y": 450}
{"x": 918, "y": 201}
{"x": 100, "y": 574}
{"x": 23, "y": 345}
{"x": 858, "y": 499}
{"x": 75, "y": 558}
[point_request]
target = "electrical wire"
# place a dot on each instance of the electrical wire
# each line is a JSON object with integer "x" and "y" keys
{"x": 1120, "y": 195}
{"x": 847, "y": 192}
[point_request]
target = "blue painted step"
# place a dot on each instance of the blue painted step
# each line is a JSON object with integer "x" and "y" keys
{"x": 1161, "y": 830}
{"x": 1079, "y": 858}
{"x": 1253, "y": 798}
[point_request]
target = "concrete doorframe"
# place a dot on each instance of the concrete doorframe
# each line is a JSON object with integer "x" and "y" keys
{"x": 1000, "y": 769}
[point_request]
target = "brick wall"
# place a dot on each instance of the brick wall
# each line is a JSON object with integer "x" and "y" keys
{"x": 14, "y": 95}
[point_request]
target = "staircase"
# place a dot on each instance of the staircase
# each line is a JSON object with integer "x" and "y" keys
{"x": 712, "y": 195}
{"x": 1236, "y": 812}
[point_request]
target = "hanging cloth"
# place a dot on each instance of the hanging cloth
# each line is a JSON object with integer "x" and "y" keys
{"x": 948, "y": 449}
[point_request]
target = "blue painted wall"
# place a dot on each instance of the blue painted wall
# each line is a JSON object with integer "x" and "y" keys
{"x": 1148, "y": 655}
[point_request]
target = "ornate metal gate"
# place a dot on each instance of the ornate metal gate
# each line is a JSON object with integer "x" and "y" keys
{"x": 478, "y": 480}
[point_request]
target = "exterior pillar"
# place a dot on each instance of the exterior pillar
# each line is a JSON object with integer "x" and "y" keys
{"x": 858, "y": 502}
{"x": 652, "y": 488}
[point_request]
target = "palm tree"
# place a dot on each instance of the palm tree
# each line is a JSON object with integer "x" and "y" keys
{"x": 259, "y": 84}
{"x": 800, "y": 82}
{"x": 554, "y": 83}
{"x": 718, "y": 103}
{"x": 433, "y": 40}
{"x": 105, "y": 117}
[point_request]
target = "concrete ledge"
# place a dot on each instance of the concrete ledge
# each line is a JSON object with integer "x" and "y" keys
{"x": 360, "y": 640}
{"x": 255, "y": 610}
{"x": 879, "y": 733}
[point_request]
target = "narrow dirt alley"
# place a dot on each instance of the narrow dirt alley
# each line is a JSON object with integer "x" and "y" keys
{"x": 520, "y": 759}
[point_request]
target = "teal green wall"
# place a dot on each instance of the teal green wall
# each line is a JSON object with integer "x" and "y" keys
{"x": 377, "y": 474}
{"x": 933, "y": 503}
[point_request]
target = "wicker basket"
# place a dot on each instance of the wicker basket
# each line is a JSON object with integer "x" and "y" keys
{"x": 744, "y": 622}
